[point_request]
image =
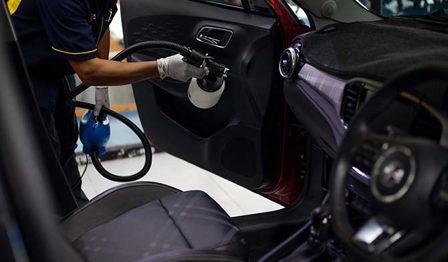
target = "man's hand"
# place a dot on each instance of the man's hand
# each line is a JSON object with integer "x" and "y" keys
{"x": 101, "y": 99}
{"x": 175, "y": 68}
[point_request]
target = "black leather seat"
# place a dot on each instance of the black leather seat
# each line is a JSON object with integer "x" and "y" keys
{"x": 152, "y": 222}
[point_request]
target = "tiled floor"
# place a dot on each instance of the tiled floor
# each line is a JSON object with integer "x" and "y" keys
{"x": 170, "y": 170}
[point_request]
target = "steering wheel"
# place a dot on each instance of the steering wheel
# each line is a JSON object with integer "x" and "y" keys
{"x": 408, "y": 180}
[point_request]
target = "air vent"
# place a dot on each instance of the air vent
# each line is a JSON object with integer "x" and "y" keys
{"x": 366, "y": 156}
{"x": 289, "y": 62}
{"x": 354, "y": 96}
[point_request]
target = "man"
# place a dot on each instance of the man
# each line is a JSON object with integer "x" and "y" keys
{"x": 62, "y": 37}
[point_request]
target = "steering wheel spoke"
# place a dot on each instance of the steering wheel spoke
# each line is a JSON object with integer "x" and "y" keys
{"x": 376, "y": 236}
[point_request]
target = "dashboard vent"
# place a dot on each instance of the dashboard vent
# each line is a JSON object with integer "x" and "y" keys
{"x": 354, "y": 95}
{"x": 290, "y": 61}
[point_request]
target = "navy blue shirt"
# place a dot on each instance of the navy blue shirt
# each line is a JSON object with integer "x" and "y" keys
{"x": 51, "y": 32}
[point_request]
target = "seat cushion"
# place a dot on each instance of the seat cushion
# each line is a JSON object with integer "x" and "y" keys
{"x": 182, "y": 221}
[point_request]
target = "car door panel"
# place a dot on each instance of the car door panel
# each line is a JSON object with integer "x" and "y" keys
{"x": 228, "y": 139}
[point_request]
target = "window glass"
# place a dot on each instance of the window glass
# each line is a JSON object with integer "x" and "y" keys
{"x": 300, "y": 14}
{"x": 403, "y": 7}
{"x": 254, "y": 6}
{"x": 261, "y": 7}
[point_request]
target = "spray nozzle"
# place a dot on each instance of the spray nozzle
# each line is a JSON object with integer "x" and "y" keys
{"x": 205, "y": 93}
{"x": 215, "y": 70}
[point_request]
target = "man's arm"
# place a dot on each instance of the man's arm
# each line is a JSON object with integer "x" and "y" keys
{"x": 101, "y": 71}
{"x": 102, "y": 92}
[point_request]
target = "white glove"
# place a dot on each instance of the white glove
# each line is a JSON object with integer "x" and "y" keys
{"x": 175, "y": 68}
{"x": 101, "y": 99}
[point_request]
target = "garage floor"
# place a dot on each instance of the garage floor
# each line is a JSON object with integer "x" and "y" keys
{"x": 175, "y": 172}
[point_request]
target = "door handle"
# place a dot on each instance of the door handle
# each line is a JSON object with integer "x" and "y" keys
{"x": 214, "y": 36}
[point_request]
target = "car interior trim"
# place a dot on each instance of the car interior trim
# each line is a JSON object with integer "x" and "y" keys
{"x": 329, "y": 86}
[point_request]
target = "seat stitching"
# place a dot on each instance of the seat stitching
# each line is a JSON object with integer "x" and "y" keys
{"x": 175, "y": 224}
{"x": 98, "y": 200}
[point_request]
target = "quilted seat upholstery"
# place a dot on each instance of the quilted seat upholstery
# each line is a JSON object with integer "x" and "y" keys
{"x": 176, "y": 223}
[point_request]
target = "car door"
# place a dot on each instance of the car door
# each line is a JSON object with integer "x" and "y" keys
{"x": 239, "y": 138}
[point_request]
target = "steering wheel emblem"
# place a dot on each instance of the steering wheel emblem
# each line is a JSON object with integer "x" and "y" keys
{"x": 393, "y": 174}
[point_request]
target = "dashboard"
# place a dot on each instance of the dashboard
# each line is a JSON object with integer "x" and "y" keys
{"x": 325, "y": 90}
{"x": 373, "y": 96}
{"x": 331, "y": 100}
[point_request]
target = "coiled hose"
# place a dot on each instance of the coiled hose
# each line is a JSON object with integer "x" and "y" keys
{"x": 94, "y": 155}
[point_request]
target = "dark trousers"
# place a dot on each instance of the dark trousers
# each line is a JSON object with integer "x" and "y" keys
{"x": 62, "y": 130}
